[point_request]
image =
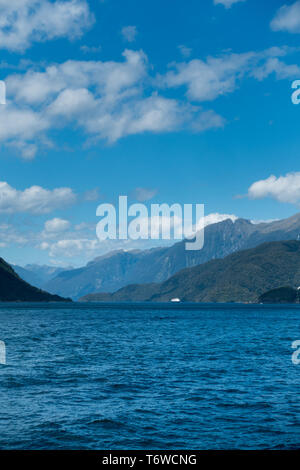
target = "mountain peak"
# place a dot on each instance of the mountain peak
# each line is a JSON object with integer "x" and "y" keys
{"x": 240, "y": 277}
{"x": 119, "y": 268}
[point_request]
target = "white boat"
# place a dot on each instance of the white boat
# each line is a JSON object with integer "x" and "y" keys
{"x": 175, "y": 300}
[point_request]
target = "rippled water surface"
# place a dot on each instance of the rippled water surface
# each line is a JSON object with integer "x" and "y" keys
{"x": 97, "y": 377}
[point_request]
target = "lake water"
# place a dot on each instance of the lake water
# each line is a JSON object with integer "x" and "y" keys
{"x": 148, "y": 377}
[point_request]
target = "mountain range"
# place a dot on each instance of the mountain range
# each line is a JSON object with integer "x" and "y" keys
{"x": 118, "y": 269}
{"x": 13, "y": 288}
{"x": 38, "y": 275}
{"x": 240, "y": 277}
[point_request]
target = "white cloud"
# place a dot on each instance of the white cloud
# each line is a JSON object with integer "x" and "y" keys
{"x": 274, "y": 65}
{"x": 207, "y": 220}
{"x": 111, "y": 81}
{"x": 80, "y": 244}
{"x": 185, "y": 228}
{"x": 23, "y": 22}
{"x": 215, "y": 218}
{"x": 284, "y": 188}
{"x": 35, "y": 199}
{"x": 227, "y": 3}
{"x": 70, "y": 103}
{"x": 185, "y": 51}
{"x": 84, "y": 226}
{"x": 208, "y": 120}
{"x": 73, "y": 248}
{"x": 144, "y": 194}
{"x": 56, "y": 234}
{"x": 73, "y": 91}
{"x": 56, "y": 225}
{"x": 206, "y": 80}
{"x": 106, "y": 99}
{"x": 218, "y": 76}
{"x": 263, "y": 221}
{"x": 181, "y": 229}
{"x": 129, "y": 33}
{"x": 154, "y": 114}
{"x": 44, "y": 246}
{"x": 157, "y": 114}
{"x": 110, "y": 100}
{"x": 287, "y": 18}
{"x": 90, "y": 49}
{"x": 12, "y": 235}
{"x": 19, "y": 126}
{"x": 27, "y": 150}
{"x": 92, "y": 195}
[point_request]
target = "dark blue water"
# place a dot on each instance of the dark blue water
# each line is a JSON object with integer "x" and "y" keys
{"x": 91, "y": 377}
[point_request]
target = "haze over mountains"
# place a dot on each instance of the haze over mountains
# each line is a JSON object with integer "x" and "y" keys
{"x": 13, "y": 288}
{"x": 240, "y": 277}
{"x": 37, "y": 275}
{"x": 118, "y": 269}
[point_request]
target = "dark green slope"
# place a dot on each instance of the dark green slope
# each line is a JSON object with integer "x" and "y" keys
{"x": 282, "y": 295}
{"x": 13, "y": 288}
{"x": 240, "y": 277}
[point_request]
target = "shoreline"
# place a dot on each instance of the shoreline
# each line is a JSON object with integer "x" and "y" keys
{"x": 146, "y": 305}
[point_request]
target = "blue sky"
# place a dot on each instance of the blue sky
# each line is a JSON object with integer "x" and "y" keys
{"x": 163, "y": 101}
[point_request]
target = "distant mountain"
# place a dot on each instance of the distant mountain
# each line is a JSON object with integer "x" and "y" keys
{"x": 240, "y": 277}
{"x": 38, "y": 275}
{"x": 14, "y": 289}
{"x": 281, "y": 295}
{"x": 118, "y": 269}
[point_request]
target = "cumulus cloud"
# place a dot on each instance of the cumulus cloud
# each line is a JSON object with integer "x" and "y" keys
{"x": 56, "y": 225}
{"x": 61, "y": 94}
{"x": 23, "y": 22}
{"x": 287, "y": 18}
{"x": 144, "y": 194}
{"x": 110, "y": 100}
{"x": 275, "y": 65}
{"x": 129, "y": 33}
{"x": 208, "y": 79}
{"x": 154, "y": 114}
{"x": 284, "y": 188}
{"x": 19, "y": 126}
{"x": 35, "y": 199}
{"x": 207, "y": 220}
{"x": 208, "y": 120}
{"x": 72, "y": 248}
{"x": 227, "y": 3}
{"x": 11, "y": 235}
{"x": 55, "y": 235}
{"x": 215, "y": 218}
{"x": 107, "y": 100}
{"x": 111, "y": 80}
{"x": 70, "y": 103}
